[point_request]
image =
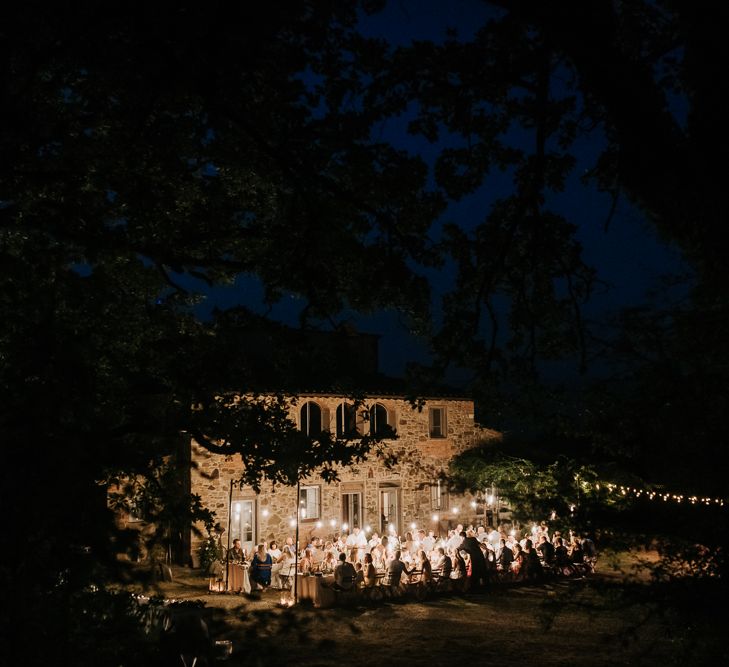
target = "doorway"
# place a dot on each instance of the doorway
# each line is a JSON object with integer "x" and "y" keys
{"x": 389, "y": 508}
{"x": 242, "y": 524}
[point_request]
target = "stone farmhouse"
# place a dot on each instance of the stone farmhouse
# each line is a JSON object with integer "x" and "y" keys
{"x": 368, "y": 495}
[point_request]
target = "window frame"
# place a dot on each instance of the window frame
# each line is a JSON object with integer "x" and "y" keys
{"x": 305, "y": 418}
{"x": 304, "y": 489}
{"x": 378, "y": 430}
{"x": 439, "y": 497}
{"x": 440, "y": 430}
{"x": 346, "y": 416}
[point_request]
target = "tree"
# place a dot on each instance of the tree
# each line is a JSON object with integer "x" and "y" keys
{"x": 540, "y": 86}
{"x": 639, "y": 85}
{"x": 150, "y": 154}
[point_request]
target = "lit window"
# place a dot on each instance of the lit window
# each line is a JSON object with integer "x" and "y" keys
{"x": 352, "y": 509}
{"x": 309, "y": 502}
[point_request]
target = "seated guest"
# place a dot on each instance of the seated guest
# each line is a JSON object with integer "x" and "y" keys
{"x": 317, "y": 555}
{"x": 396, "y": 569}
{"x": 236, "y": 553}
{"x": 423, "y": 564}
{"x": 460, "y": 570}
{"x": 344, "y": 574}
{"x": 588, "y": 548}
{"x": 533, "y": 564}
{"x": 274, "y": 550}
{"x": 562, "y": 557}
{"x": 374, "y": 541}
{"x": 260, "y": 571}
{"x": 306, "y": 564}
{"x": 444, "y": 563}
{"x": 546, "y": 550}
{"x": 358, "y": 575}
{"x": 518, "y": 565}
{"x": 575, "y": 552}
{"x": 370, "y": 573}
{"x": 379, "y": 553}
{"x": 561, "y": 553}
{"x": 489, "y": 557}
{"x": 282, "y": 567}
{"x": 408, "y": 545}
{"x": 504, "y": 557}
{"x": 328, "y": 564}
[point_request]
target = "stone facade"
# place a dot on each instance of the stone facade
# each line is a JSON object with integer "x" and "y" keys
{"x": 368, "y": 494}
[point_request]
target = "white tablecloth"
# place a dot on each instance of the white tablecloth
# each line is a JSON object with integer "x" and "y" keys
{"x": 238, "y": 580}
{"x": 313, "y": 588}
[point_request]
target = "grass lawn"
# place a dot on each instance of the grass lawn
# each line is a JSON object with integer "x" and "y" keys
{"x": 564, "y": 622}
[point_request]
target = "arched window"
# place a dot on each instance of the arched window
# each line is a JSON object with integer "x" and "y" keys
{"x": 379, "y": 426}
{"x": 310, "y": 418}
{"x": 346, "y": 421}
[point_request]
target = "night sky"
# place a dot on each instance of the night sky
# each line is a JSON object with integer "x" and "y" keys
{"x": 629, "y": 258}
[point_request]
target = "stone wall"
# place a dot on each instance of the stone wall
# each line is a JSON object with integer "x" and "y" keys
{"x": 420, "y": 459}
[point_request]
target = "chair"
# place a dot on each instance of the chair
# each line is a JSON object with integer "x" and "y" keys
{"x": 286, "y": 576}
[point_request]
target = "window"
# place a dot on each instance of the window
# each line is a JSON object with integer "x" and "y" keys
{"x": 310, "y": 418}
{"x": 389, "y": 509}
{"x": 309, "y": 502}
{"x": 346, "y": 421}
{"x": 437, "y": 425}
{"x": 438, "y": 497}
{"x": 379, "y": 427}
{"x": 242, "y": 523}
{"x": 352, "y": 509}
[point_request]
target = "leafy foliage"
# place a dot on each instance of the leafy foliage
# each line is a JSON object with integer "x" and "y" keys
{"x": 153, "y": 154}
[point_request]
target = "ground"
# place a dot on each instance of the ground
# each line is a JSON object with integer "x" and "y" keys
{"x": 564, "y": 622}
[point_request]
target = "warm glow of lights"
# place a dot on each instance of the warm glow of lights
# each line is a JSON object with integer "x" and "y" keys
{"x": 491, "y": 500}
{"x": 512, "y": 533}
{"x": 319, "y": 524}
{"x": 473, "y": 504}
{"x": 455, "y": 510}
{"x": 367, "y": 529}
{"x": 292, "y": 523}
{"x": 345, "y": 526}
{"x": 436, "y": 517}
{"x": 333, "y": 523}
{"x": 413, "y": 525}
{"x": 264, "y": 513}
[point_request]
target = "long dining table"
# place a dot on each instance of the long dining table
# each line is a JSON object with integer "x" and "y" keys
{"x": 316, "y": 588}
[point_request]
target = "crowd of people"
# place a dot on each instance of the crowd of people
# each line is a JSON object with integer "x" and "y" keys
{"x": 474, "y": 556}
